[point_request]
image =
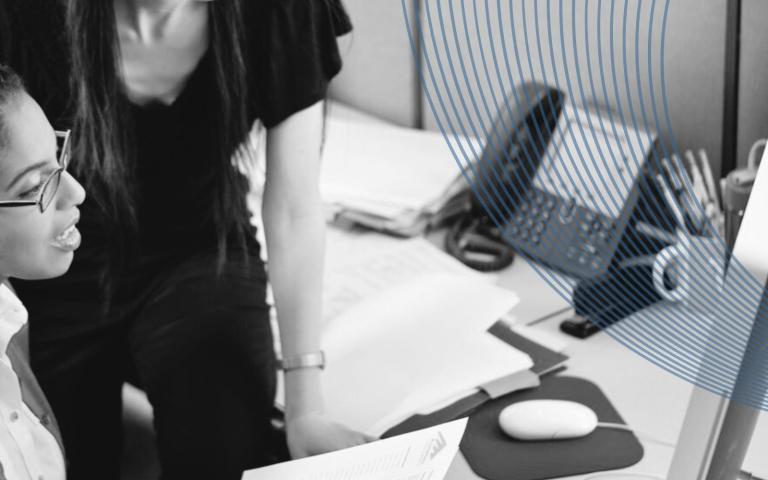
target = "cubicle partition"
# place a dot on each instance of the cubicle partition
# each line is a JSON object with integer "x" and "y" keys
{"x": 753, "y": 76}
{"x": 381, "y": 76}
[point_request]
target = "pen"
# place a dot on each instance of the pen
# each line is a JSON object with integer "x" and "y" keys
{"x": 671, "y": 169}
{"x": 673, "y": 206}
{"x": 675, "y": 170}
{"x": 698, "y": 179}
{"x": 710, "y": 179}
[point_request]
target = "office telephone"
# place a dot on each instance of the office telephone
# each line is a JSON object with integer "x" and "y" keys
{"x": 555, "y": 182}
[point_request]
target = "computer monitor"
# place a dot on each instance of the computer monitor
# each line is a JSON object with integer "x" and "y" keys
{"x": 717, "y": 431}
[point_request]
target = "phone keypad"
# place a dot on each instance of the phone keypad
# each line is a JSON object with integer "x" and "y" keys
{"x": 562, "y": 233}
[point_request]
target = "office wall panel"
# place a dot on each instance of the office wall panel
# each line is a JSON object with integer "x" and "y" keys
{"x": 604, "y": 53}
{"x": 753, "y": 85}
{"x": 379, "y": 74}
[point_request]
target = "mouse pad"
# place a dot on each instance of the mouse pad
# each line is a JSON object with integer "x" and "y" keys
{"x": 494, "y": 456}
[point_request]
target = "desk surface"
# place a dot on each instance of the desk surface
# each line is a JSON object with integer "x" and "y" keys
{"x": 649, "y": 398}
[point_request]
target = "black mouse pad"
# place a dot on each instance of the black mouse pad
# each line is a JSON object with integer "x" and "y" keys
{"x": 493, "y": 455}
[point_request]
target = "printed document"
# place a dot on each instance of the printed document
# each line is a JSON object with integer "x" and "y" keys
{"x": 422, "y": 455}
{"x": 359, "y": 266}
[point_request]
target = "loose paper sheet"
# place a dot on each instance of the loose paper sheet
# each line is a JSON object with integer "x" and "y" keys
{"x": 422, "y": 455}
{"x": 405, "y": 329}
{"x": 414, "y": 344}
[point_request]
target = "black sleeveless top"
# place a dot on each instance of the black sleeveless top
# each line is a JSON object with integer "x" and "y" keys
{"x": 292, "y": 54}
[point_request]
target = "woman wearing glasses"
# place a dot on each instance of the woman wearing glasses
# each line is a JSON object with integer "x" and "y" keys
{"x": 38, "y": 214}
{"x": 168, "y": 289}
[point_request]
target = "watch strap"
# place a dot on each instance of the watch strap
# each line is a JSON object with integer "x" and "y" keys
{"x": 307, "y": 360}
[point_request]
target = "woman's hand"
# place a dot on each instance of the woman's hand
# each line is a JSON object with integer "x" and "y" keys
{"x": 313, "y": 433}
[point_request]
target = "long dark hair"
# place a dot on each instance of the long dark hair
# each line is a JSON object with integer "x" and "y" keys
{"x": 104, "y": 157}
{"x": 11, "y": 87}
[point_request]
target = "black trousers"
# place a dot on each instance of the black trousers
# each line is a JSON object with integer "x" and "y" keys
{"x": 197, "y": 341}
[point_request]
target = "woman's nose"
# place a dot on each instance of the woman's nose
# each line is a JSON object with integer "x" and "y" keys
{"x": 70, "y": 192}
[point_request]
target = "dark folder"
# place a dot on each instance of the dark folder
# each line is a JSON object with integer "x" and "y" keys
{"x": 494, "y": 456}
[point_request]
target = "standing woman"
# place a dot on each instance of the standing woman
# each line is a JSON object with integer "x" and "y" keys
{"x": 168, "y": 287}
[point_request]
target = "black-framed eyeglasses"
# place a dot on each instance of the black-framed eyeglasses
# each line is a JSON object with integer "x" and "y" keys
{"x": 51, "y": 184}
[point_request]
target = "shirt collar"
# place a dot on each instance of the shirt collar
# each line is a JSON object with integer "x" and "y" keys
{"x": 13, "y": 316}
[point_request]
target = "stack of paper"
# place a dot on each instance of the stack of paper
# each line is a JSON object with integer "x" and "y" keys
{"x": 405, "y": 329}
{"x": 387, "y": 177}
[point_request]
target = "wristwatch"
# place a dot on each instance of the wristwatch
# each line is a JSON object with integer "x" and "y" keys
{"x": 307, "y": 360}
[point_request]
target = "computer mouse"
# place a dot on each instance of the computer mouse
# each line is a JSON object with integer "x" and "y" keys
{"x": 547, "y": 420}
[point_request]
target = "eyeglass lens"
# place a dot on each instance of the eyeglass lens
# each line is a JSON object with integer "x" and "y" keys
{"x": 63, "y": 150}
{"x": 52, "y": 185}
{"x": 50, "y": 188}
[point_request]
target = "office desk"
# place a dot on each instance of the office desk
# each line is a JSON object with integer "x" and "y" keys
{"x": 648, "y": 398}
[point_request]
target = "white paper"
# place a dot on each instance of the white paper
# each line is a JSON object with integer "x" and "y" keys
{"x": 383, "y": 210}
{"x": 361, "y": 266}
{"x": 422, "y": 455}
{"x": 415, "y": 344}
{"x": 399, "y": 167}
{"x": 425, "y": 289}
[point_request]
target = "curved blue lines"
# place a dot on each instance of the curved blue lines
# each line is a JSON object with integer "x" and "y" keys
{"x": 673, "y": 340}
{"x": 481, "y": 196}
{"x": 601, "y": 295}
{"x": 505, "y": 197}
{"x": 561, "y": 287}
{"x": 557, "y": 283}
{"x": 632, "y": 289}
{"x": 627, "y": 83}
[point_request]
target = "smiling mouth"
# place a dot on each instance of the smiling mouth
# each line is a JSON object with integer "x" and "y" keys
{"x": 69, "y": 239}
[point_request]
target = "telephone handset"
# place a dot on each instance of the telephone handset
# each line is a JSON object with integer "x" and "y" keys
{"x": 554, "y": 182}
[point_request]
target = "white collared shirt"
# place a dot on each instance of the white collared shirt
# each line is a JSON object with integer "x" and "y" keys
{"x": 28, "y": 451}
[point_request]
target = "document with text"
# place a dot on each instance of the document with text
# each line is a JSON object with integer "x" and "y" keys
{"x": 422, "y": 455}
